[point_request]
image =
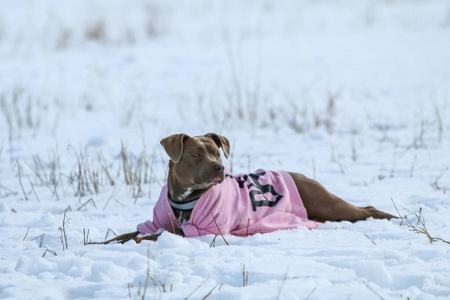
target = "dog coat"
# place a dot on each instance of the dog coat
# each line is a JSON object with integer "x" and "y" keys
{"x": 245, "y": 204}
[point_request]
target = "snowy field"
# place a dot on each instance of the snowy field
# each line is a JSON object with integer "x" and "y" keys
{"x": 355, "y": 94}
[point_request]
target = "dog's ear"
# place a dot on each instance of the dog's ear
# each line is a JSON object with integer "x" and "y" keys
{"x": 221, "y": 141}
{"x": 174, "y": 145}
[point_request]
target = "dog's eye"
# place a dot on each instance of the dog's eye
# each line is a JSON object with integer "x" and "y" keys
{"x": 218, "y": 154}
{"x": 196, "y": 154}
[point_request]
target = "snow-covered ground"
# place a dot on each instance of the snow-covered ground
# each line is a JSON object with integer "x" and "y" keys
{"x": 352, "y": 93}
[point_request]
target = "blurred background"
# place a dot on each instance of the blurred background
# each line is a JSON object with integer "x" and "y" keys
{"x": 338, "y": 81}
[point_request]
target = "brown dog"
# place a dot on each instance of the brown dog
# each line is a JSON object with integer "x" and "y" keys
{"x": 190, "y": 177}
{"x": 195, "y": 166}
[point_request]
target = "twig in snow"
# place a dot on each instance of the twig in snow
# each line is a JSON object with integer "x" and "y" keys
{"x": 372, "y": 290}
{"x": 311, "y": 293}
{"x": 8, "y": 191}
{"x": 420, "y": 216}
{"x": 41, "y": 239}
{"x": 32, "y": 187}
{"x": 244, "y": 276}
{"x": 85, "y": 237}
{"x": 62, "y": 228}
{"x": 91, "y": 200}
{"x": 148, "y": 273}
{"x": 106, "y": 170}
{"x": 248, "y": 225}
{"x": 370, "y": 239}
{"x": 218, "y": 228}
{"x": 113, "y": 194}
{"x": 171, "y": 222}
{"x": 123, "y": 238}
{"x": 209, "y": 294}
{"x": 240, "y": 224}
{"x": 399, "y": 215}
{"x": 213, "y": 243}
{"x": 109, "y": 230}
{"x": 422, "y": 229}
{"x": 163, "y": 287}
{"x": 435, "y": 183}
{"x": 26, "y": 234}
{"x": 51, "y": 251}
{"x": 201, "y": 284}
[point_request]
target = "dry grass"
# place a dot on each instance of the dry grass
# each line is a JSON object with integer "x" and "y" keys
{"x": 210, "y": 292}
{"x": 6, "y": 192}
{"x": 49, "y": 251}
{"x": 48, "y": 173}
{"x": 90, "y": 175}
{"x": 40, "y": 238}
{"x": 91, "y": 201}
{"x": 86, "y": 174}
{"x": 21, "y": 111}
{"x": 244, "y": 276}
{"x": 420, "y": 226}
{"x": 136, "y": 171}
{"x": 196, "y": 289}
{"x": 220, "y": 232}
{"x": 435, "y": 184}
{"x": 372, "y": 290}
{"x": 141, "y": 292}
{"x": 62, "y": 229}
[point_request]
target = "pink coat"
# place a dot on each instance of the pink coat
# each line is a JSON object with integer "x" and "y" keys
{"x": 244, "y": 204}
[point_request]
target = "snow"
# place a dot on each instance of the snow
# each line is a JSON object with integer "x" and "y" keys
{"x": 352, "y": 93}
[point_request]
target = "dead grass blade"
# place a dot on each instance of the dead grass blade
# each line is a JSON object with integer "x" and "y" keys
{"x": 62, "y": 228}
{"x": 210, "y": 292}
{"x": 372, "y": 290}
{"x": 26, "y": 234}
{"x": 244, "y": 276}
{"x": 421, "y": 228}
{"x": 201, "y": 284}
{"x": 369, "y": 238}
{"x": 50, "y": 251}
{"x": 218, "y": 228}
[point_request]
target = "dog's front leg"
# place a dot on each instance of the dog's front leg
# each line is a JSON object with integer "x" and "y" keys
{"x": 122, "y": 239}
{"x": 149, "y": 237}
{"x": 154, "y": 237}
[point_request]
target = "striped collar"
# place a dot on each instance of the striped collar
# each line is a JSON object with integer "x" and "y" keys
{"x": 184, "y": 206}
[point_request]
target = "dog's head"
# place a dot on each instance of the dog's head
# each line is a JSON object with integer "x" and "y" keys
{"x": 196, "y": 160}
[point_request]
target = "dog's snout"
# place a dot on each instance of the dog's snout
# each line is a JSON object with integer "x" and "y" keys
{"x": 218, "y": 167}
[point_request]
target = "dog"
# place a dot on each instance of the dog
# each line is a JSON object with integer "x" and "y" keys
{"x": 202, "y": 197}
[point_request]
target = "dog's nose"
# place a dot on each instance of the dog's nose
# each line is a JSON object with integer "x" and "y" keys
{"x": 218, "y": 167}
